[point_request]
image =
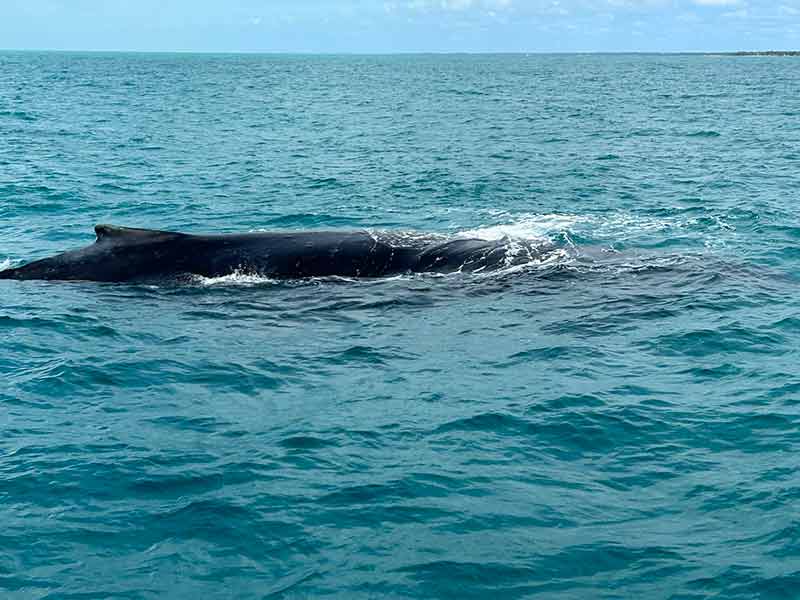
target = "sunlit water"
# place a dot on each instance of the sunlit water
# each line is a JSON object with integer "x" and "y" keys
{"x": 617, "y": 418}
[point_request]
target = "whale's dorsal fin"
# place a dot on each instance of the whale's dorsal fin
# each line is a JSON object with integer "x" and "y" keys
{"x": 113, "y": 233}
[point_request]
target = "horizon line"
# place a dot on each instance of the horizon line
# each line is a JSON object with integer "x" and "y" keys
{"x": 402, "y": 52}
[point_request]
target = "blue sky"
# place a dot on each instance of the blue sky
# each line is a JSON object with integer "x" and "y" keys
{"x": 400, "y": 25}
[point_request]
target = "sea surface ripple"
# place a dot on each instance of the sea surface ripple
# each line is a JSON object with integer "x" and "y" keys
{"x": 620, "y": 420}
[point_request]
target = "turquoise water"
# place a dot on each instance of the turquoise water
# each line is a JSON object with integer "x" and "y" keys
{"x": 619, "y": 420}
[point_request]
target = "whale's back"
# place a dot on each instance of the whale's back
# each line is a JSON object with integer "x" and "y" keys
{"x": 126, "y": 254}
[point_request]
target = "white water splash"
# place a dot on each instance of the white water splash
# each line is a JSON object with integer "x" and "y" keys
{"x": 608, "y": 228}
{"x": 528, "y": 227}
{"x": 537, "y": 242}
{"x": 6, "y": 264}
{"x": 240, "y": 278}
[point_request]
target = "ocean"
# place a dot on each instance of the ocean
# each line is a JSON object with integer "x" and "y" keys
{"x": 620, "y": 420}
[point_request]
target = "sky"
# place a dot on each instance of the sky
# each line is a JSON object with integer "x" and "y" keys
{"x": 387, "y": 26}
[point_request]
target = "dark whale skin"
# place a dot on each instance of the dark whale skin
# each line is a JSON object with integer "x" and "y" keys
{"x": 123, "y": 254}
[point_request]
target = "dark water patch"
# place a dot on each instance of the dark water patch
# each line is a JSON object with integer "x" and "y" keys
{"x": 18, "y": 114}
{"x": 89, "y": 378}
{"x": 73, "y": 325}
{"x": 569, "y": 401}
{"x": 225, "y": 525}
{"x": 589, "y": 561}
{"x": 305, "y": 442}
{"x": 178, "y": 485}
{"x": 748, "y": 433}
{"x": 789, "y": 324}
{"x": 789, "y": 231}
{"x": 637, "y": 391}
{"x": 727, "y": 340}
{"x": 490, "y": 522}
{"x": 199, "y": 424}
{"x": 381, "y": 515}
{"x": 388, "y": 493}
{"x": 787, "y": 254}
{"x": 790, "y": 392}
{"x": 722, "y": 371}
{"x": 14, "y": 583}
{"x": 707, "y": 133}
{"x": 786, "y": 542}
{"x": 567, "y": 434}
{"x": 485, "y": 422}
{"x": 326, "y": 183}
{"x": 550, "y": 353}
{"x": 69, "y": 482}
{"x": 366, "y": 355}
{"x": 471, "y": 580}
{"x": 539, "y": 576}
{"x": 746, "y": 582}
{"x": 70, "y": 449}
{"x": 115, "y": 188}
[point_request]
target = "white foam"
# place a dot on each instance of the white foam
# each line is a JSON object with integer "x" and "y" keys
{"x": 6, "y": 264}
{"x": 240, "y": 278}
{"x": 613, "y": 227}
{"x": 536, "y": 242}
{"x": 527, "y": 227}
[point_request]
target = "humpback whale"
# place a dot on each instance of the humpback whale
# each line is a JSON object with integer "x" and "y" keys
{"x": 124, "y": 254}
